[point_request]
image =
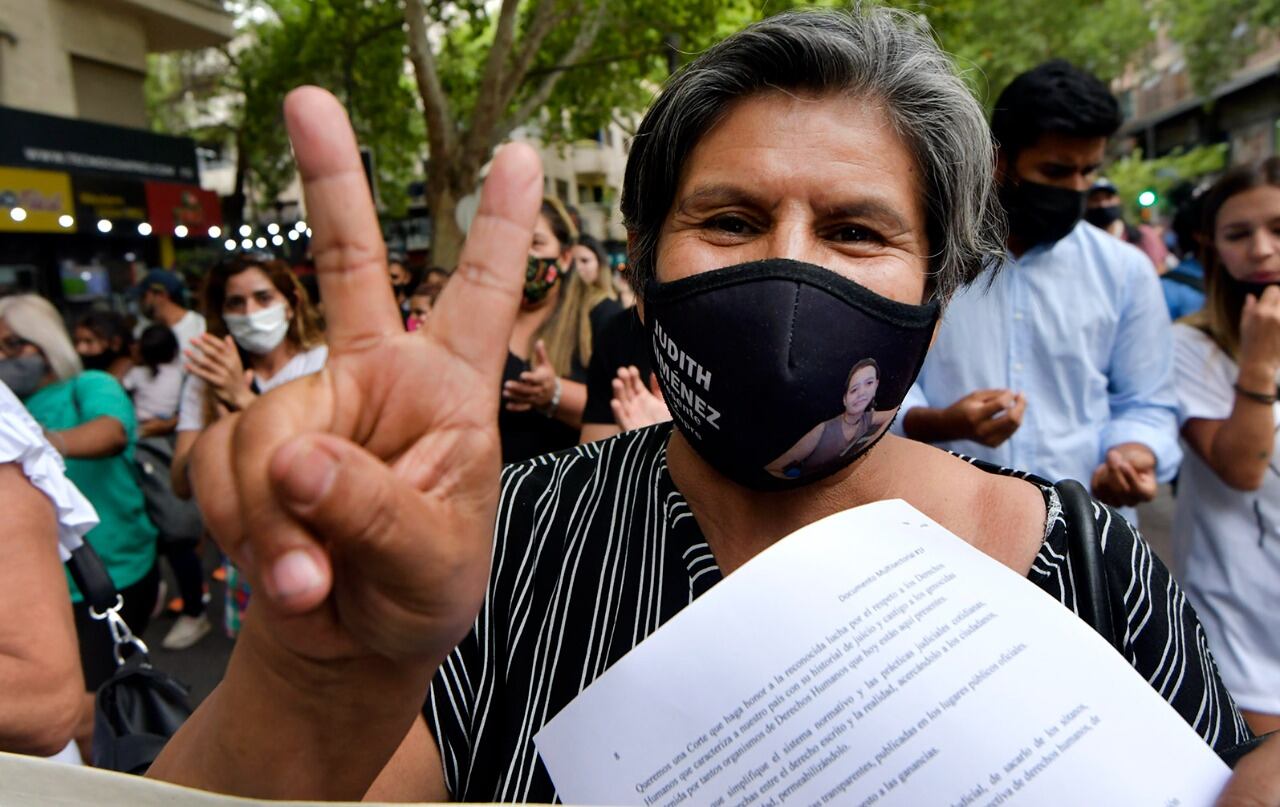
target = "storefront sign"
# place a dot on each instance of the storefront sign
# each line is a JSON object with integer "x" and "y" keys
{"x": 40, "y": 199}
{"x": 117, "y": 201}
{"x": 169, "y": 205}
{"x": 33, "y": 140}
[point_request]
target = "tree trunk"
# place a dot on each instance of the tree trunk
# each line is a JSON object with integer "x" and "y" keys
{"x": 446, "y": 236}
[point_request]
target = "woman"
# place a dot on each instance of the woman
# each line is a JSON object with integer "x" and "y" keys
{"x": 262, "y": 332}
{"x": 592, "y": 265}
{"x": 89, "y": 419}
{"x": 1227, "y": 359}
{"x": 155, "y": 383}
{"x": 790, "y": 190}
{"x": 544, "y": 383}
{"x": 830, "y": 440}
{"x": 104, "y": 343}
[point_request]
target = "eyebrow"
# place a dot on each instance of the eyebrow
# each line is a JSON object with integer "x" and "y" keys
{"x": 716, "y": 195}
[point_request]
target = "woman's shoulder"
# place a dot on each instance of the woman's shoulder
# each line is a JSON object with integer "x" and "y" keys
{"x": 616, "y": 464}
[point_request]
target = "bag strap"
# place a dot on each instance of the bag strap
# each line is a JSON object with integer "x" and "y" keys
{"x": 1084, "y": 552}
{"x": 91, "y": 577}
{"x": 105, "y": 602}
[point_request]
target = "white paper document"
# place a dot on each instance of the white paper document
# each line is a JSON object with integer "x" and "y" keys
{"x": 875, "y": 658}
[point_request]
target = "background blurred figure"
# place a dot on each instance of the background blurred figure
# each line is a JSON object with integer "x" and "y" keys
{"x": 263, "y": 332}
{"x": 162, "y": 300}
{"x": 103, "y": 341}
{"x": 1104, "y": 210}
{"x": 156, "y": 388}
{"x": 403, "y": 281}
{"x": 1227, "y": 528}
{"x": 1183, "y": 285}
{"x": 41, "y": 686}
{"x": 155, "y": 383}
{"x": 421, "y": 302}
{"x": 592, "y": 265}
{"x": 544, "y": 382}
{"x": 89, "y": 419}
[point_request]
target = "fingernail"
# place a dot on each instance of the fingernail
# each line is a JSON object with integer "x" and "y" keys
{"x": 295, "y": 573}
{"x": 311, "y": 473}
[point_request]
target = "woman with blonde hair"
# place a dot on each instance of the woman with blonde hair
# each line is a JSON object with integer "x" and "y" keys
{"x": 544, "y": 382}
{"x": 262, "y": 332}
{"x": 1227, "y": 360}
{"x": 88, "y": 418}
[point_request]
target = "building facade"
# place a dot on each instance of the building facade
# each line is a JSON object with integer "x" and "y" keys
{"x": 1164, "y": 111}
{"x": 87, "y": 193}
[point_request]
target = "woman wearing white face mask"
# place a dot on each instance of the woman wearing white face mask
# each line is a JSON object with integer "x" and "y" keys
{"x": 263, "y": 332}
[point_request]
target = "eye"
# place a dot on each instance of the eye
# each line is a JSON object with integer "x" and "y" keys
{"x": 855, "y": 234}
{"x": 733, "y": 225}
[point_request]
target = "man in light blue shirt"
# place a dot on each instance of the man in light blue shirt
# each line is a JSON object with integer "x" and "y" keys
{"x": 1060, "y": 363}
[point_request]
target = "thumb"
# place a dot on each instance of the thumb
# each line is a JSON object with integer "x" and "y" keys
{"x": 248, "y": 377}
{"x": 540, "y": 354}
{"x": 347, "y": 499}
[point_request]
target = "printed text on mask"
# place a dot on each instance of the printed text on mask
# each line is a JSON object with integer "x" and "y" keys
{"x": 679, "y": 391}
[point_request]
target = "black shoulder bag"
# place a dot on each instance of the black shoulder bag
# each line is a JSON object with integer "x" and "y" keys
{"x": 139, "y": 708}
{"x": 1084, "y": 552}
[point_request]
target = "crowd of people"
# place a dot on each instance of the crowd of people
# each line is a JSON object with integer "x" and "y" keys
{"x": 864, "y": 285}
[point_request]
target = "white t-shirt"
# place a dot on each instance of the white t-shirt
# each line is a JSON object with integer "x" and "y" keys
{"x": 184, "y": 330}
{"x": 191, "y": 412}
{"x": 22, "y": 441}
{"x": 1227, "y": 541}
{"x": 154, "y": 396}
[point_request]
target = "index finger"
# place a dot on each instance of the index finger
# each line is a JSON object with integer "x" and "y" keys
{"x": 351, "y": 260}
{"x": 477, "y": 308}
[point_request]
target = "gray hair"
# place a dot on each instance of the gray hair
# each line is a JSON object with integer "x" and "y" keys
{"x": 876, "y": 53}
{"x": 36, "y": 320}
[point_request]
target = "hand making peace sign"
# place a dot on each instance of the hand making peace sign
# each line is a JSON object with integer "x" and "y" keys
{"x": 360, "y": 500}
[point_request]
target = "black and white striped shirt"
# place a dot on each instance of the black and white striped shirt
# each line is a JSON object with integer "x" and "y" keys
{"x": 595, "y": 548}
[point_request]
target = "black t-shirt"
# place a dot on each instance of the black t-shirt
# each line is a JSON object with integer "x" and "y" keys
{"x": 531, "y": 434}
{"x": 623, "y": 342}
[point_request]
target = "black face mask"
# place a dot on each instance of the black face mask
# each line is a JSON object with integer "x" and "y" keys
{"x": 1256, "y": 289}
{"x": 779, "y": 373}
{"x": 1103, "y": 217}
{"x": 98, "y": 361}
{"x": 1040, "y": 214}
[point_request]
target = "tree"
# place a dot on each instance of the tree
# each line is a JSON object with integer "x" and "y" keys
{"x": 232, "y": 95}
{"x": 1217, "y": 36}
{"x": 482, "y": 70}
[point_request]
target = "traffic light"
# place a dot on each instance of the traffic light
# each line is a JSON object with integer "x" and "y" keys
{"x": 1147, "y": 198}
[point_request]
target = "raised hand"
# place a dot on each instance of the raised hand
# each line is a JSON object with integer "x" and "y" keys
{"x": 536, "y": 387}
{"x": 217, "y": 362}
{"x": 1260, "y": 341}
{"x": 360, "y": 500}
{"x": 634, "y": 405}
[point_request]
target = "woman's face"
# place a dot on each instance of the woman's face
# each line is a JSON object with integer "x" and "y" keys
{"x": 13, "y": 346}
{"x": 824, "y": 180}
{"x": 1246, "y": 235}
{"x": 586, "y": 264}
{"x": 250, "y": 291}
{"x": 88, "y": 343}
{"x": 545, "y": 244}
{"x": 861, "y": 392}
